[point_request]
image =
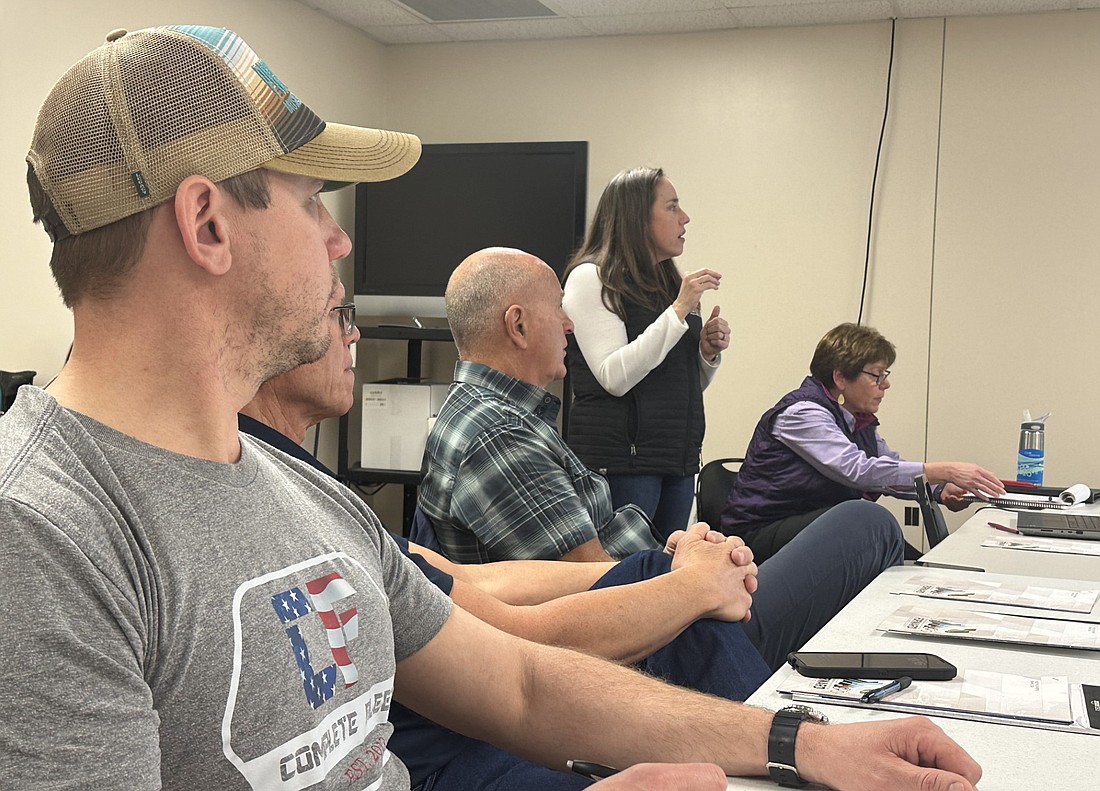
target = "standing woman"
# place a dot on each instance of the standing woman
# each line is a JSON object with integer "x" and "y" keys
{"x": 640, "y": 354}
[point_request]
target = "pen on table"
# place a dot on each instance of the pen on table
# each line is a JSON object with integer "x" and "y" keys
{"x": 591, "y": 770}
{"x": 1005, "y": 528}
{"x": 878, "y": 693}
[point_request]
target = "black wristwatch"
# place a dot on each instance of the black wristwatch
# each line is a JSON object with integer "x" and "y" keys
{"x": 784, "y": 730}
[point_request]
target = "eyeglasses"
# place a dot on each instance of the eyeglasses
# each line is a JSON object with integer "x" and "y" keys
{"x": 879, "y": 378}
{"x": 345, "y": 317}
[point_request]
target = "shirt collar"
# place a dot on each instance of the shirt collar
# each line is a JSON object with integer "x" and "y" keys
{"x": 523, "y": 395}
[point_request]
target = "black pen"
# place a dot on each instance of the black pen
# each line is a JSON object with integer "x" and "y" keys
{"x": 591, "y": 770}
{"x": 878, "y": 693}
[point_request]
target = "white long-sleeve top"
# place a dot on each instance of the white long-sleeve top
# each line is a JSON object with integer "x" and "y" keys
{"x": 617, "y": 364}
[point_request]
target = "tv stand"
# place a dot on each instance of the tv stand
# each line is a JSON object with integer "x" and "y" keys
{"x": 410, "y": 481}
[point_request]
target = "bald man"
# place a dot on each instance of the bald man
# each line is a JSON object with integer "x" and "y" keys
{"x": 500, "y": 483}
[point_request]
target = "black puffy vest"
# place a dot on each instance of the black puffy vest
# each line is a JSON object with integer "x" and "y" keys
{"x": 657, "y": 427}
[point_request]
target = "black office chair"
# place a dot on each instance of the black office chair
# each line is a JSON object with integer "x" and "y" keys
{"x": 935, "y": 526}
{"x": 9, "y": 384}
{"x": 712, "y": 489}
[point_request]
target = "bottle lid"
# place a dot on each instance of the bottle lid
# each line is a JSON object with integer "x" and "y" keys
{"x": 1033, "y": 426}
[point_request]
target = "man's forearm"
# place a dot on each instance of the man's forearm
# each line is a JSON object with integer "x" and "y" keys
{"x": 622, "y": 717}
{"x": 534, "y": 581}
{"x": 625, "y": 623}
{"x": 521, "y": 581}
{"x": 551, "y": 705}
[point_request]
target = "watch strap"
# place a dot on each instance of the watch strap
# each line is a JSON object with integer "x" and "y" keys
{"x": 781, "y": 740}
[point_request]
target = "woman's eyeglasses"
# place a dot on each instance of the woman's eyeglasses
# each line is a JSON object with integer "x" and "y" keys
{"x": 345, "y": 317}
{"x": 879, "y": 378}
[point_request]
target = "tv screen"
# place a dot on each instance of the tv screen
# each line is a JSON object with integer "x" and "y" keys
{"x": 412, "y": 231}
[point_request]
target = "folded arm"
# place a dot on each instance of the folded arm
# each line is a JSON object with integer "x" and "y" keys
{"x": 629, "y": 622}
{"x": 521, "y": 581}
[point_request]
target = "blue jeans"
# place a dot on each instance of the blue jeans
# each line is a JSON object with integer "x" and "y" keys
{"x": 483, "y": 767}
{"x": 801, "y": 588}
{"x": 665, "y": 499}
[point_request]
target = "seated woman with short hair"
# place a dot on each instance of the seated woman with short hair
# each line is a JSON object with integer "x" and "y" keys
{"x": 819, "y": 446}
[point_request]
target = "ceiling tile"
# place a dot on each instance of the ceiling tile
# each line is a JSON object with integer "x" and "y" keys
{"x": 933, "y": 8}
{"x": 509, "y": 29}
{"x": 407, "y": 34}
{"x": 365, "y": 13}
{"x": 477, "y": 10}
{"x": 640, "y": 24}
{"x": 584, "y": 8}
{"x": 834, "y": 13}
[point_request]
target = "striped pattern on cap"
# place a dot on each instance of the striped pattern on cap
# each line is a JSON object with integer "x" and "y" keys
{"x": 135, "y": 117}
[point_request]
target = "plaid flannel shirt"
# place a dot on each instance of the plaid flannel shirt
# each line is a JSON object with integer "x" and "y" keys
{"x": 500, "y": 484}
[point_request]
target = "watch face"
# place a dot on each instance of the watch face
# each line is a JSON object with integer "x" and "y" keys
{"x": 805, "y": 713}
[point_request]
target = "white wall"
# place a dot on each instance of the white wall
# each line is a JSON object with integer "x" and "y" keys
{"x": 986, "y": 191}
{"x": 1016, "y": 275}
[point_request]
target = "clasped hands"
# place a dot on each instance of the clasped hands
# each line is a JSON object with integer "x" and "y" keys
{"x": 723, "y": 566}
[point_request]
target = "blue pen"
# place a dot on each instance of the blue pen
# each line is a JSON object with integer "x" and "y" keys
{"x": 878, "y": 693}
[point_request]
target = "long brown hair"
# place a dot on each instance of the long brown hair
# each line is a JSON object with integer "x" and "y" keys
{"x": 619, "y": 244}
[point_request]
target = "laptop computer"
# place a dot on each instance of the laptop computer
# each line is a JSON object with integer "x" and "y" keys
{"x": 1058, "y": 525}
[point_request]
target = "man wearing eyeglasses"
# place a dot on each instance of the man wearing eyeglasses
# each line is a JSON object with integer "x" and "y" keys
{"x": 306, "y": 395}
{"x": 679, "y": 621}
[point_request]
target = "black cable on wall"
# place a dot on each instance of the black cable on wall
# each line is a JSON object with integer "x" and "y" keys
{"x": 874, "y": 178}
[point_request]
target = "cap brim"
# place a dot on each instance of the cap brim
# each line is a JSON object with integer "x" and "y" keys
{"x": 351, "y": 154}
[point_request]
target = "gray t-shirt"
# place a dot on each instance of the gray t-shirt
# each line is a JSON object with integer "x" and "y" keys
{"x": 179, "y": 623}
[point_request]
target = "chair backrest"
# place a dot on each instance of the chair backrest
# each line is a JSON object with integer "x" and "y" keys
{"x": 712, "y": 489}
{"x": 9, "y": 384}
{"x": 422, "y": 531}
{"x": 935, "y": 526}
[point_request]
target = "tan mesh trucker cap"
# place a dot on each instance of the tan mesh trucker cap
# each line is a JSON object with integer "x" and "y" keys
{"x": 125, "y": 125}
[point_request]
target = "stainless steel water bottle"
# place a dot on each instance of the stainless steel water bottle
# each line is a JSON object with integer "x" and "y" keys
{"x": 1029, "y": 465}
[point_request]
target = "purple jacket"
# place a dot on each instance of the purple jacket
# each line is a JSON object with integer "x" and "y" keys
{"x": 775, "y": 482}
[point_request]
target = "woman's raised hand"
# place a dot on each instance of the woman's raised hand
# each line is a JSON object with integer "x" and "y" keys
{"x": 692, "y": 287}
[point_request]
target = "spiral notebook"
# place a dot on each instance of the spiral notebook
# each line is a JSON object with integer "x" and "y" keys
{"x": 1022, "y": 497}
{"x": 1021, "y": 502}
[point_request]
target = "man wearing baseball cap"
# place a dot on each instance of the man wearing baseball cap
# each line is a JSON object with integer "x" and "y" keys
{"x": 196, "y": 610}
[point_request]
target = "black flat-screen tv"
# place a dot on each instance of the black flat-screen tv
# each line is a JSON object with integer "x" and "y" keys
{"x": 411, "y": 232}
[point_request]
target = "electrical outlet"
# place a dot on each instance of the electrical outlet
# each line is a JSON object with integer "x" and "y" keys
{"x": 912, "y": 516}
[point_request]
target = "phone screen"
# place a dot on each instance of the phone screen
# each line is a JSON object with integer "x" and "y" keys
{"x": 826, "y": 659}
{"x": 871, "y": 665}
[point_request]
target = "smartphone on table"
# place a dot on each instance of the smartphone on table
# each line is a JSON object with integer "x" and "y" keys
{"x": 840, "y": 664}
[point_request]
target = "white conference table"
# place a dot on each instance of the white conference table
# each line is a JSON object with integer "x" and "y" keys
{"x": 1012, "y": 757}
{"x": 964, "y": 548}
